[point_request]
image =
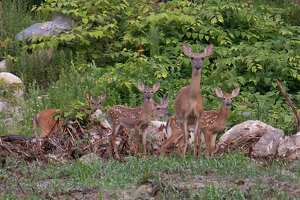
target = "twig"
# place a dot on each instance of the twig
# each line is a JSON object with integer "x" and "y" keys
{"x": 95, "y": 143}
{"x": 52, "y": 142}
{"x": 71, "y": 135}
{"x": 18, "y": 184}
{"x": 291, "y": 105}
{"x": 74, "y": 131}
{"x": 8, "y": 150}
{"x": 81, "y": 129}
{"x": 36, "y": 137}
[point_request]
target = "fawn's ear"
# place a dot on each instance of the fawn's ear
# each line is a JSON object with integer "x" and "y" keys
{"x": 208, "y": 50}
{"x": 141, "y": 86}
{"x": 165, "y": 96}
{"x": 103, "y": 96}
{"x": 219, "y": 92}
{"x": 235, "y": 92}
{"x": 166, "y": 103}
{"x": 154, "y": 104}
{"x": 186, "y": 50}
{"x": 156, "y": 86}
{"x": 88, "y": 96}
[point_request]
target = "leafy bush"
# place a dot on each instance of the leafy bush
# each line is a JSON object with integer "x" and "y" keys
{"x": 253, "y": 45}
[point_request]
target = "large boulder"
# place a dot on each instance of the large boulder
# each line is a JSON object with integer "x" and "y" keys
{"x": 14, "y": 81}
{"x": 156, "y": 130}
{"x": 60, "y": 23}
{"x": 246, "y": 128}
{"x": 268, "y": 144}
{"x": 290, "y": 146}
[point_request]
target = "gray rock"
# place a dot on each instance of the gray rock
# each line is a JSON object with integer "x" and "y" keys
{"x": 290, "y": 146}
{"x": 2, "y": 65}
{"x": 55, "y": 27}
{"x": 244, "y": 129}
{"x": 268, "y": 144}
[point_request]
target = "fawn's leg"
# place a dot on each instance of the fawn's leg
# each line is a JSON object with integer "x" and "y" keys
{"x": 213, "y": 144}
{"x": 137, "y": 140}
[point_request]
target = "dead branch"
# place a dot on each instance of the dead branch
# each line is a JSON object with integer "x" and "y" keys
{"x": 57, "y": 145}
{"x": 291, "y": 105}
{"x": 97, "y": 142}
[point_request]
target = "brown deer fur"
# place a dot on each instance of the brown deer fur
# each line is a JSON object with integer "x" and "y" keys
{"x": 49, "y": 125}
{"x": 137, "y": 118}
{"x": 212, "y": 122}
{"x": 189, "y": 103}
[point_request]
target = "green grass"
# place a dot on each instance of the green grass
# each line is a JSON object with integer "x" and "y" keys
{"x": 219, "y": 176}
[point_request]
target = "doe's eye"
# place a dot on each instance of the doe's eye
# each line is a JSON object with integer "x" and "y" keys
{"x": 202, "y": 58}
{"x": 223, "y": 98}
{"x": 158, "y": 108}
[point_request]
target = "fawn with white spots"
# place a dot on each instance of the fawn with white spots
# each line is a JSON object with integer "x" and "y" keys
{"x": 159, "y": 110}
{"x": 49, "y": 125}
{"x": 189, "y": 102}
{"x": 212, "y": 122}
{"x": 137, "y": 118}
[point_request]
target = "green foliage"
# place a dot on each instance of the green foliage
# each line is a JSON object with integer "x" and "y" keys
{"x": 253, "y": 45}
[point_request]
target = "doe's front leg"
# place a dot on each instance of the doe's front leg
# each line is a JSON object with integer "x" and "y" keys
{"x": 144, "y": 134}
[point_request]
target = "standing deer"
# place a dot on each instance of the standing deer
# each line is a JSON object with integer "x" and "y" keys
{"x": 189, "y": 102}
{"x": 137, "y": 118}
{"x": 212, "y": 122}
{"x": 49, "y": 125}
{"x": 159, "y": 110}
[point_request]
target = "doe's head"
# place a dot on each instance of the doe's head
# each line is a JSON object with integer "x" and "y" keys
{"x": 96, "y": 102}
{"x": 197, "y": 58}
{"x": 160, "y": 110}
{"x": 148, "y": 92}
{"x": 227, "y": 98}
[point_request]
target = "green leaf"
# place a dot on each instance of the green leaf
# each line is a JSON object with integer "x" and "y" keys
{"x": 85, "y": 20}
{"x": 188, "y": 34}
{"x": 98, "y": 34}
{"x": 95, "y": 56}
{"x": 267, "y": 80}
{"x": 207, "y": 37}
{"x": 201, "y": 36}
{"x": 195, "y": 35}
{"x": 168, "y": 40}
{"x": 146, "y": 9}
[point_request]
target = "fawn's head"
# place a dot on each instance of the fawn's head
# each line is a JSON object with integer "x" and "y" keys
{"x": 197, "y": 58}
{"x": 227, "y": 98}
{"x": 148, "y": 92}
{"x": 160, "y": 110}
{"x": 96, "y": 102}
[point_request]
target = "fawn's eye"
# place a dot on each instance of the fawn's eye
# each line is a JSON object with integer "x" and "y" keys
{"x": 202, "y": 58}
{"x": 158, "y": 108}
{"x": 223, "y": 98}
{"x": 192, "y": 58}
{"x": 145, "y": 92}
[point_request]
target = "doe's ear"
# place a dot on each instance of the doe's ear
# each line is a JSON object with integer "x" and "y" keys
{"x": 156, "y": 86}
{"x": 88, "y": 96}
{"x": 219, "y": 92}
{"x": 208, "y": 50}
{"x": 186, "y": 50}
{"x": 141, "y": 86}
{"x": 235, "y": 92}
{"x": 103, "y": 96}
